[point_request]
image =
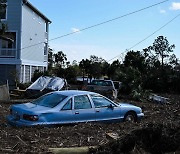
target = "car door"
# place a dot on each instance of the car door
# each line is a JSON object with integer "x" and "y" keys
{"x": 83, "y": 109}
{"x": 66, "y": 114}
{"x": 62, "y": 115}
{"x": 105, "y": 109}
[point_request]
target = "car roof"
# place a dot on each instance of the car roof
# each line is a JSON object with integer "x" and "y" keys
{"x": 74, "y": 92}
{"x": 100, "y": 80}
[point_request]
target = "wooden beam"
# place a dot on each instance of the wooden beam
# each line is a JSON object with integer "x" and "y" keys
{"x": 72, "y": 150}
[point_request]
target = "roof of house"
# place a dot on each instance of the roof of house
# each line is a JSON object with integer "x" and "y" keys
{"x": 36, "y": 10}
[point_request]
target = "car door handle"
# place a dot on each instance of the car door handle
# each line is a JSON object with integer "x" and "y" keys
{"x": 76, "y": 112}
{"x": 97, "y": 111}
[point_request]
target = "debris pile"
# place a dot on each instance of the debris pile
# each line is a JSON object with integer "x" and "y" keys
{"x": 152, "y": 138}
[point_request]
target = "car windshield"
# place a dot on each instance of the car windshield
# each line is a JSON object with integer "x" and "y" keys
{"x": 49, "y": 100}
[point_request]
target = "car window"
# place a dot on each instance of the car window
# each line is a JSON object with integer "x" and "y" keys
{"x": 82, "y": 102}
{"x": 107, "y": 83}
{"x": 49, "y": 100}
{"x": 101, "y": 83}
{"x": 97, "y": 82}
{"x": 100, "y": 101}
{"x": 68, "y": 105}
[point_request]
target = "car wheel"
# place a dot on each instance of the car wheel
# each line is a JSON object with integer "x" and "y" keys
{"x": 130, "y": 117}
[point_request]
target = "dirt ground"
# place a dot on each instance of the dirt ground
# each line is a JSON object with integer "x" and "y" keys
{"x": 159, "y": 129}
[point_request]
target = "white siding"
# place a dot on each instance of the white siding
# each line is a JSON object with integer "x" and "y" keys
{"x": 33, "y": 32}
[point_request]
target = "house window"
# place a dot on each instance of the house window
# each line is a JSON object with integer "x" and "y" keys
{"x": 45, "y": 48}
{"x": 8, "y": 40}
{"x": 3, "y": 9}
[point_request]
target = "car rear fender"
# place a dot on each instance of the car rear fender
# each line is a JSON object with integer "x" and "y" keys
{"x": 44, "y": 117}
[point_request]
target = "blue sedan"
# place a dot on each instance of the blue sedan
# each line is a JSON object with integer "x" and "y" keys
{"x": 71, "y": 106}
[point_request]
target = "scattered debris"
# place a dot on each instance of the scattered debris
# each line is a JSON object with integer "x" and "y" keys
{"x": 160, "y": 120}
{"x": 50, "y": 83}
{"x": 159, "y": 99}
{"x": 17, "y": 93}
{"x": 153, "y": 138}
{"x": 4, "y": 92}
{"x": 45, "y": 84}
{"x": 112, "y": 136}
{"x": 21, "y": 140}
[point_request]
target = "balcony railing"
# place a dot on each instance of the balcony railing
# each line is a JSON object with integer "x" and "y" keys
{"x": 7, "y": 52}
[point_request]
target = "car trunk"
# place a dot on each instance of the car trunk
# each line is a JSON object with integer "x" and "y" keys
{"x": 17, "y": 111}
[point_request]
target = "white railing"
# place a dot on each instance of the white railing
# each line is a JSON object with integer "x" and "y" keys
{"x": 7, "y": 52}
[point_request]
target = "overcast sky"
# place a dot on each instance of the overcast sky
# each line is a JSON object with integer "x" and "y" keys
{"x": 113, "y": 38}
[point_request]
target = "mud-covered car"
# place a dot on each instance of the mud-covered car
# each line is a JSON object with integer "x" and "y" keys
{"x": 71, "y": 106}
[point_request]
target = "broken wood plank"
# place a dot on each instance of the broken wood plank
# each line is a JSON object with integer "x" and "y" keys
{"x": 112, "y": 136}
{"x": 7, "y": 150}
{"x": 72, "y": 150}
{"x": 21, "y": 140}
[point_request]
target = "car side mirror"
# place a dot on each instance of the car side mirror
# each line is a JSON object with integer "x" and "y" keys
{"x": 111, "y": 106}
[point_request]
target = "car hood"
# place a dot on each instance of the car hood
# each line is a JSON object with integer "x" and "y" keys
{"x": 29, "y": 107}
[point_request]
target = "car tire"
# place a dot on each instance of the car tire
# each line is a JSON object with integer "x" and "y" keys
{"x": 130, "y": 117}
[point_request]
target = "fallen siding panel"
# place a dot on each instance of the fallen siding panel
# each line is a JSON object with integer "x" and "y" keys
{"x": 4, "y": 92}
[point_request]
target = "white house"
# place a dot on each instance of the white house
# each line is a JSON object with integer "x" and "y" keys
{"x": 24, "y": 46}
